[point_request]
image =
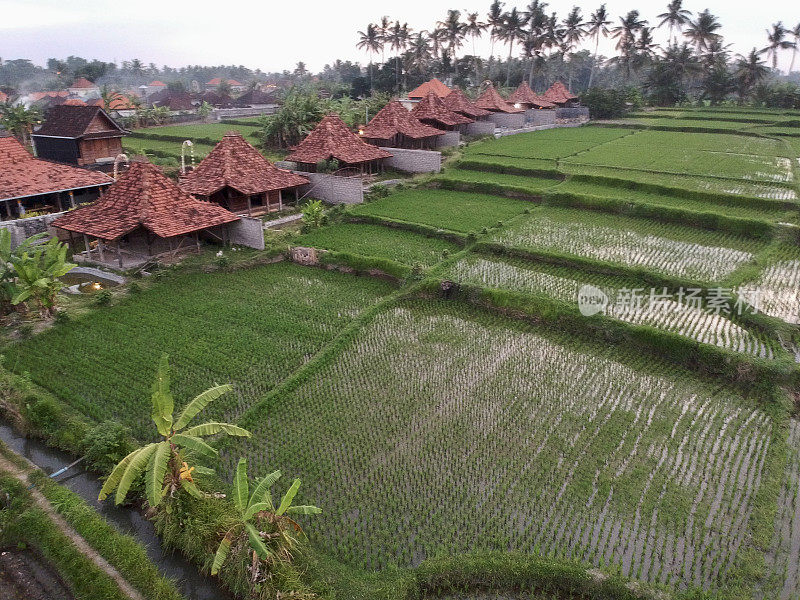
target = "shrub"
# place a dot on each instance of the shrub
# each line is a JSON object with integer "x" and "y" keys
{"x": 102, "y": 298}
{"x": 106, "y": 444}
{"x": 606, "y": 104}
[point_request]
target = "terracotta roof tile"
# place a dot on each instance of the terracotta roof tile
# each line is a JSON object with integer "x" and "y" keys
{"x": 431, "y": 110}
{"x": 434, "y": 85}
{"x": 3, "y": 97}
{"x": 218, "y": 80}
{"x": 72, "y": 121}
{"x": 157, "y": 83}
{"x": 393, "y": 119}
{"x": 236, "y": 164}
{"x": 458, "y": 101}
{"x": 170, "y": 99}
{"x": 83, "y": 83}
{"x": 36, "y": 96}
{"x": 74, "y": 102}
{"x": 332, "y": 139}
{"x": 117, "y": 102}
{"x": 491, "y": 100}
{"x": 525, "y": 95}
{"x": 144, "y": 197}
{"x": 23, "y": 175}
{"x": 559, "y": 93}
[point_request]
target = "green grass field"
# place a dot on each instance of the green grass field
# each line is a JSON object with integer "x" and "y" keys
{"x": 549, "y": 144}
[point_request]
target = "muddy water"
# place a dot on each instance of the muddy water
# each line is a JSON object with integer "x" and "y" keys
{"x": 189, "y": 581}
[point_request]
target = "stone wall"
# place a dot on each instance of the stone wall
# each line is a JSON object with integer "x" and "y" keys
{"x": 534, "y": 116}
{"x": 508, "y": 120}
{"x": 332, "y": 188}
{"x": 414, "y": 161}
{"x": 247, "y": 231}
{"x": 480, "y": 128}
{"x": 20, "y": 229}
{"x": 578, "y": 112}
{"x": 450, "y": 138}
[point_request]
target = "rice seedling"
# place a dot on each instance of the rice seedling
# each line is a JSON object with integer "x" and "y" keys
{"x": 778, "y": 286}
{"x": 533, "y": 185}
{"x": 667, "y": 249}
{"x": 668, "y": 314}
{"x": 441, "y": 429}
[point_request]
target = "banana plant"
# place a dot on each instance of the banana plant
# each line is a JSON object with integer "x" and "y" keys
{"x": 38, "y": 269}
{"x": 256, "y": 513}
{"x": 164, "y": 463}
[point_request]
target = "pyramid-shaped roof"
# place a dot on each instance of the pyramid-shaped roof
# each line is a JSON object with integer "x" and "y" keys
{"x": 525, "y": 95}
{"x": 491, "y": 100}
{"x": 82, "y": 82}
{"x": 559, "y": 94}
{"x": 144, "y": 197}
{"x": 393, "y": 119}
{"x": 432, "y": 110}
{"x": 332, "y": 139}
{"x": 434, "y": 85}
{"x": 458, "y": 101}
{"x": 236, "y": 164}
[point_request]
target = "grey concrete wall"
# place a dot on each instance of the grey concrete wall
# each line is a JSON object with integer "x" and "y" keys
{"x": 21, "y": 229}
{"x": 332, "y": 188}
{"x": 450, "y": 138}
{"x": 534, "y": 116}
{"x": 481, "y": 128}
{"x": 508, "y": 120}
{"x": 578, "y": 112}
{"x": 414, "y": 161}
{"x": 247, "y": 231}
{"x": 220, "y": 114}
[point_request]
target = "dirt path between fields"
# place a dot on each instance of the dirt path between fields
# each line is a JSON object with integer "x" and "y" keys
{"x": 65, "y": 528}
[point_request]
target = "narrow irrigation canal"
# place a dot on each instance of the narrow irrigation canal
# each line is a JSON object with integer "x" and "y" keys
{"x": 189, "y": 581}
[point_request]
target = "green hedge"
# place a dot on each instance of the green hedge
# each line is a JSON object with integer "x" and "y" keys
{"x": 451, "y": 236}
{"x": 497, "y": 189}
{"x": 475, "y": 165}
{"x": 365, "y": 264}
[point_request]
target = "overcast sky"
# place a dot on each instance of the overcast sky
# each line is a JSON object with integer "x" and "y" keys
{"x": 274, "y": 36}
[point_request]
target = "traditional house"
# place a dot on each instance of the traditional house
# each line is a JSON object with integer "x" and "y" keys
{"x": 525, "y": 97}
{"x": 332, "y": 140}
{"x": 79, "y": 135}
{"x": 257, "y": 98}
{"x": 457, "y": 101}
{"x": 396, "y": 127}
{"x": 433, "y": 86}
{"x": 155, "y": 86}
{"x": 142, "y": 215}
{"x": 3, "y": 96}
{"x": 232, "y": 83}
{"x": 432, "y": 111}
{"x": 559, "y": 95}
{"x": 83, "y": 88}
{"x": 236, "y": 176}
{"x": 172, "y": 100}
{"x": 217, "y": 99}
{"x": 116, "y": 102}
{"x": 29, "y": 184}
{"x": 493, "y": 102}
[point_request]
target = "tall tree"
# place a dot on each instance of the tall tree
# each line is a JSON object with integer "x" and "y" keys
{"x": 454, "y": 33}
{"x": 796, "y": 35}
{"x": 625, "y": 34}
{"x": 512, "y": 30}
{"x": 676, "y": 18}
{"x": 474, "y": 28}
{"x": 419, "y": 53}
{"x": 777, "y": 42}
{"x": 597, "y": 26}
{"x": 370, "y": 40}
{"x": 749, "y": 71}
{"x": 398, "y": 41}
{"x": 536, "y": 38}
{"x": 494, "y": 21}
{"x": 703, "y": 30}
{"x": 573, "y": 34}
{"x": 384, "y": 29}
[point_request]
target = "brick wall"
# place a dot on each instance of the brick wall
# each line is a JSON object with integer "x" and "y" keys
{"x": 508, "y": 120}
{"x": 414, "y": 161}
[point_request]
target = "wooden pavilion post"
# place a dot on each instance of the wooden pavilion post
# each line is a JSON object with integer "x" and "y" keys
{"x": 100, "y": 249}
{"x": 280, "y": 200}
{"x": 71, "y": 199}
{"x": 119, "y": 253}
{"x": 250, "y": 206}
{"x": 87, "y": 246}
{"x": 197, "y": 239}
{"x": 58, "y": 202}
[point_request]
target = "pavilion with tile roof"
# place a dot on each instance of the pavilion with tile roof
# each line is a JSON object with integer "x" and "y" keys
{"x": 526, "y": 98}
{"x": 559, "y": 94}
{"x": 492, "y": 101}
{"x": 394, "y": 126}
{"x": 142, "y": 215}
{"x": 29, "y": 184}
{"x": 459, "y": 102}
{"x": 434, "y": 85}
{"x": 332, "y": 140}
{"x": 236, "y": 176}
{"x": 432, "y": 111}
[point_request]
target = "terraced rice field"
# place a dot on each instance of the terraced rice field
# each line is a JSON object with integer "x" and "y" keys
{"x": 444, "y": 430}
{"x": 778, "y": 287}
{"x": 670, "y": 250}
{"x": 461, "y": 212}
{"x": 532, "y": 185}
{"x": 668, "y": 313}
{"x": 252, "y": 327}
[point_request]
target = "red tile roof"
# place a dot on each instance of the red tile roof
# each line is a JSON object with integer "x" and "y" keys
{"x": 117, "y": 102}
{"x": 491, "y": 100}
{"x": 157, "y": 83}
{"x": 393, "y": 119}
{"x": 3, "y": 97}
{"x": 82, "y": 82}
{"x": 70, "y": 121}
{"x": 432, "y": 110}
{"x": 459, "y": 102}
{"x": 559, "y": 94}
{"x": 332, "y": 139}
{"x": 236, "y": 164}
{"x": 434, "y": 85}
{"x": 218, "y": 80}
{"x": 74, "y": 102}
{"x": 36, "y": 96}
{"x": 144, "y": 197}
{"x": 525, "y": 95}
{"x": 22, "y": 175}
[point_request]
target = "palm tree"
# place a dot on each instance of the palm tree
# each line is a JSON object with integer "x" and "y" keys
{"x": 398, "y": 40}
{"x": 702, "y": 31}
{"x": 573, "y": 34}
{"x": 19, "y": 120}
{"x": 474, "y": 28}
{"x": 419, "y": 53}
{"x": 596, "y": 26}
{"x": 494, "y": 21}
{"x": 749, "y": 71}
{"x": 270, "y": 531}
{"x": 454, "y": 33}
{"x": 383, "y": 30}
{"x": 716, "y": 55}
{"x": 536, "y": 38}
{"x": 164, "y": 463}
{"x": 511, "y": 31}
{"x": 676, "y": 17}
{"x": 370, "y": 40}
{"x": 625, "y": 32}
{"x": 796, "y": 35}
{"x": 777, "y": 42}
